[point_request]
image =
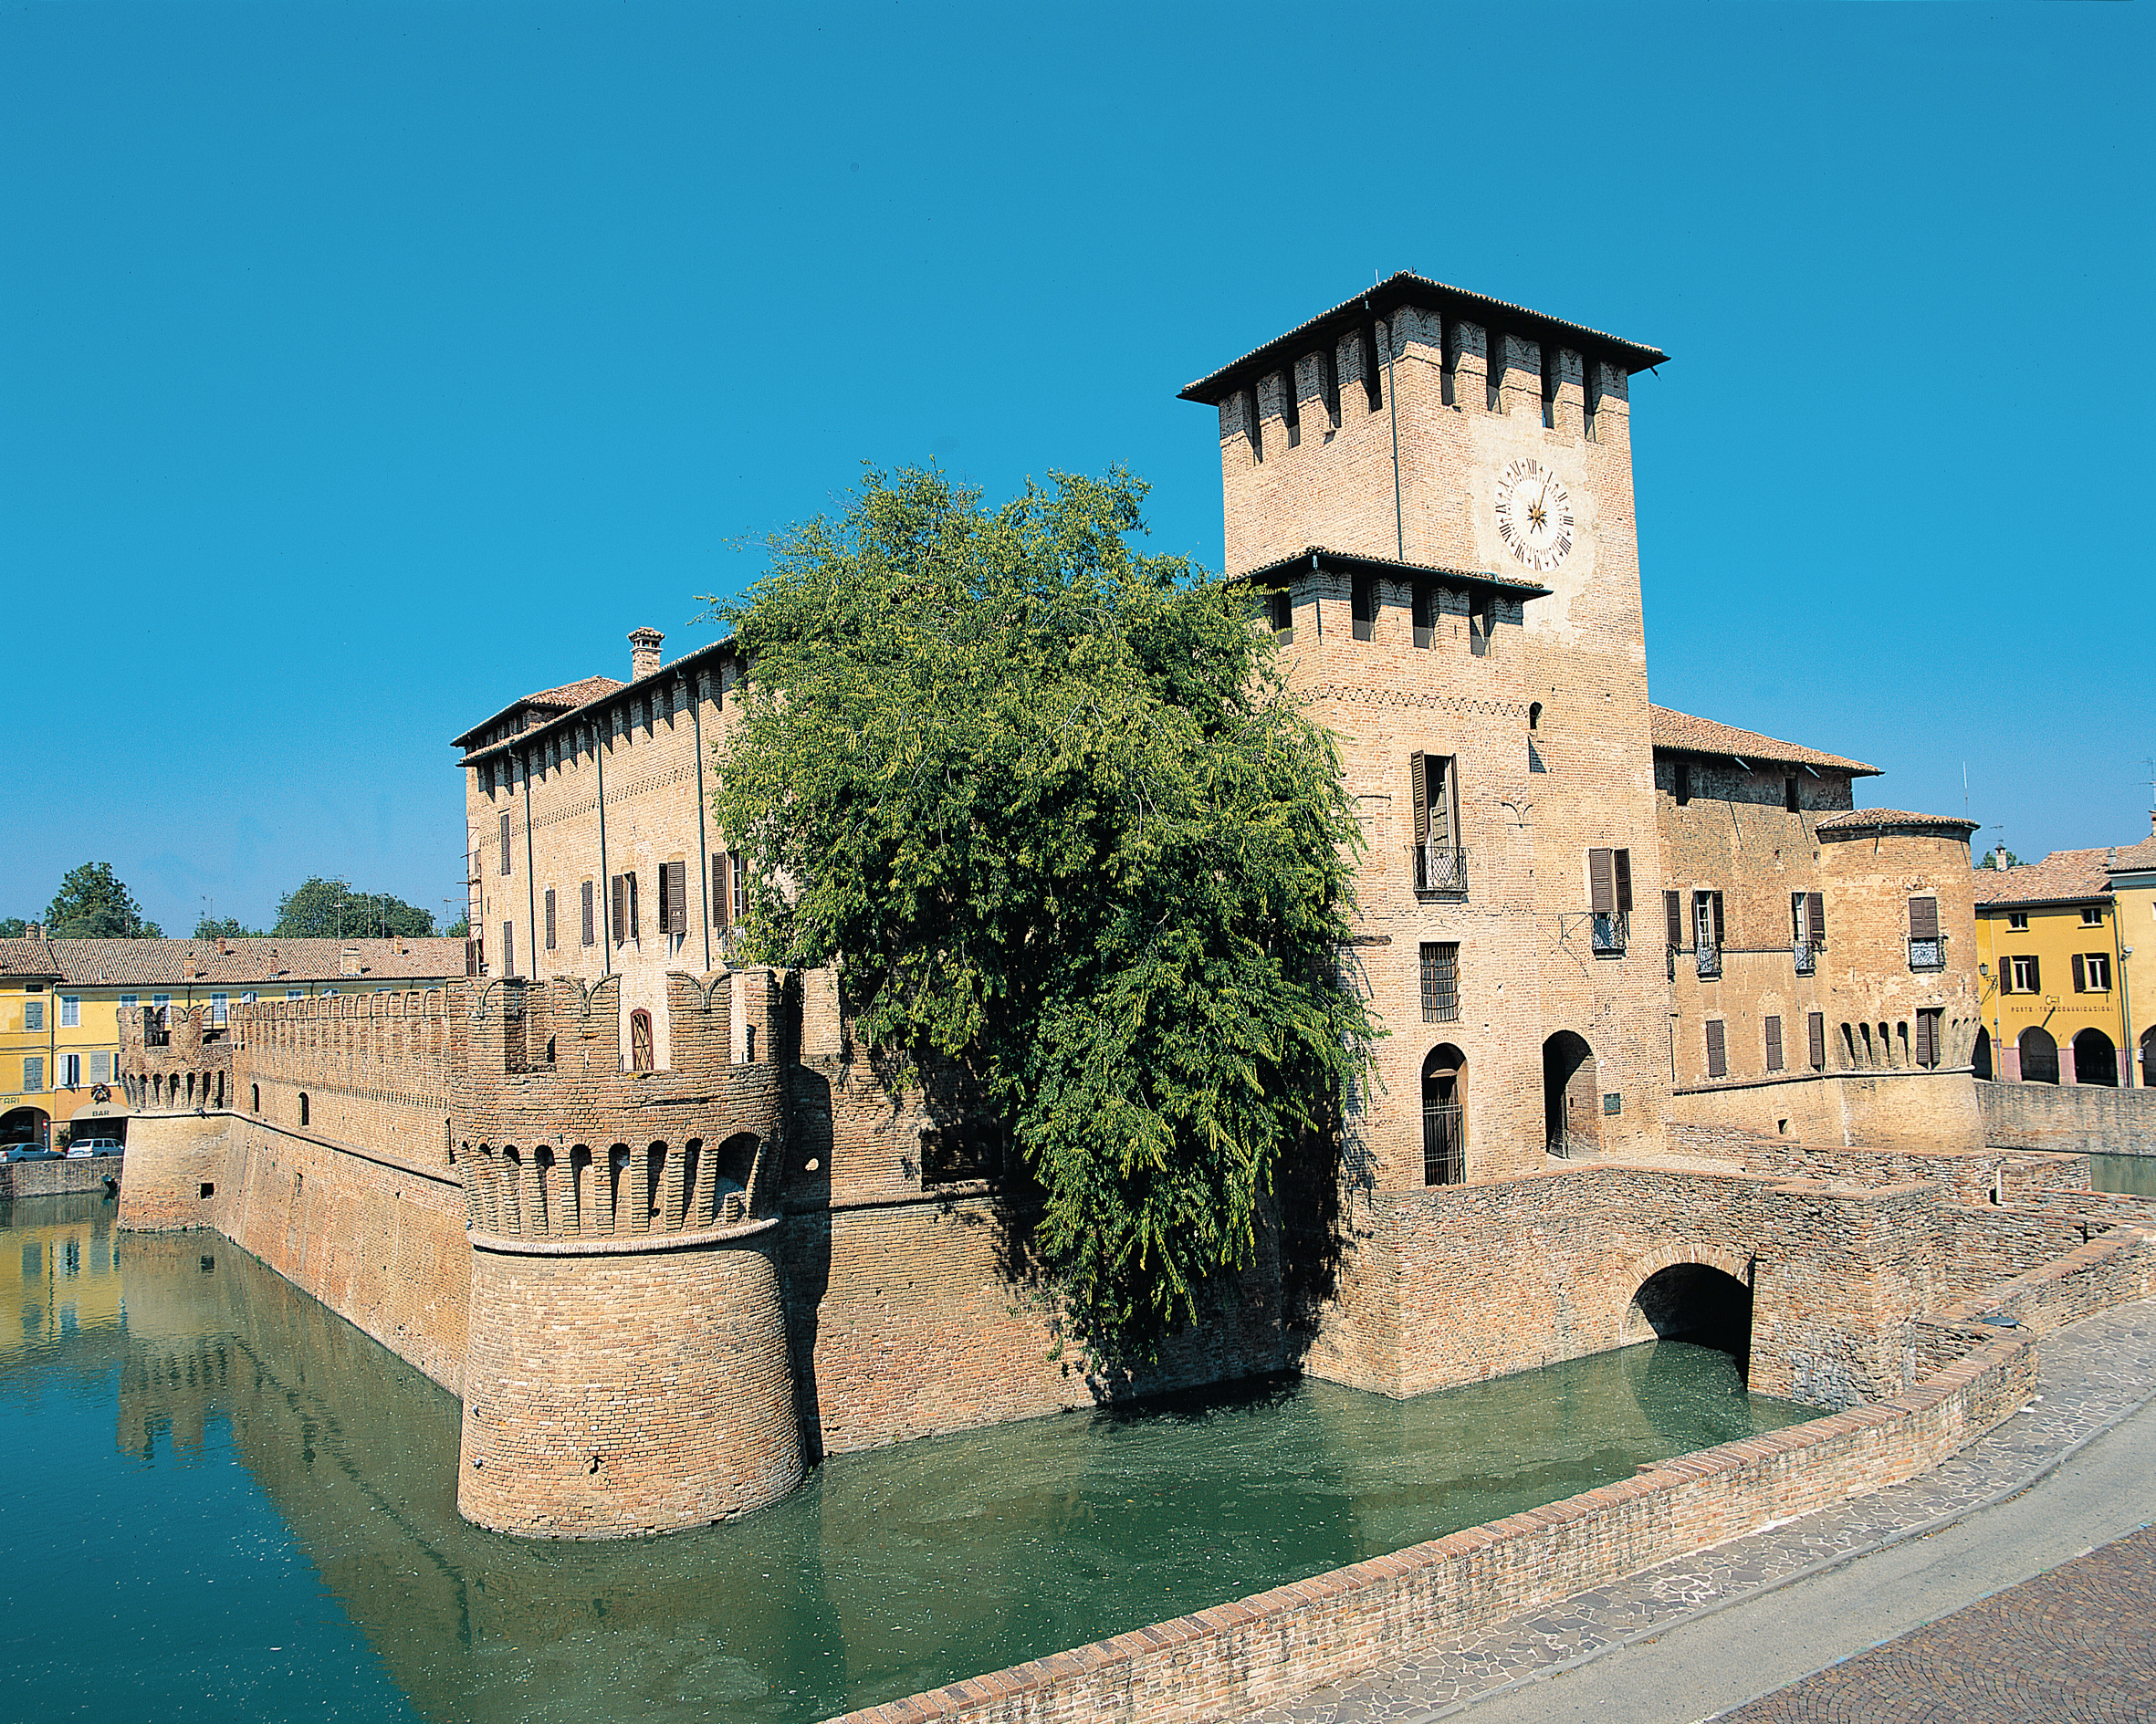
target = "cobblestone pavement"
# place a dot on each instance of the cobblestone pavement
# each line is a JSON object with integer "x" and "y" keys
{"x": 2092, "y": 1375}
{"x": 2073, "y": 1643}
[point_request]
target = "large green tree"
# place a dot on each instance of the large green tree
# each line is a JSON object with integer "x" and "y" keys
{"x": 1049, "y": 805}
{"x": 93, "y": 903}
{"x": 319, "y": 909}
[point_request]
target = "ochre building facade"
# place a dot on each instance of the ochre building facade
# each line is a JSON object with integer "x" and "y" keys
{"x": 1676, "y": 1036}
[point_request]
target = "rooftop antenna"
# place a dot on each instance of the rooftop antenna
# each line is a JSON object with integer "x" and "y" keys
{"x": 1964, "y": 788}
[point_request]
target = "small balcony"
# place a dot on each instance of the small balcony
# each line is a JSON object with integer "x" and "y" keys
{"x": 1928, "y": 954}
{"x": 1439, "y": 871}
{"x": 1613, "y": 929}
{"x": 1805, "y": 955}
{"x": 1709, "y": 960}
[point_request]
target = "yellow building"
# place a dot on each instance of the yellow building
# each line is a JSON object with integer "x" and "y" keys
{"x": 2048, "y": 957}
{"x": 2132, "y": 876}
{"x": 60, "y": 1002}
{"x": 28, "y": 1026}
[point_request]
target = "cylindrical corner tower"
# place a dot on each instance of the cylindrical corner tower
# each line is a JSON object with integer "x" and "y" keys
{"x": 617, "y": 1386}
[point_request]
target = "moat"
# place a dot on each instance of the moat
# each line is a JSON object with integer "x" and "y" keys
{"x": 222, "y": 1498}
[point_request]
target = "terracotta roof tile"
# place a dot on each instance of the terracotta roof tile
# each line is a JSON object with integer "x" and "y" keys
{"x": 2062, "y": 877}
{"x": 2135, "y": 856}
{"x": 251, "y": 962}
{"x": 1684, "y": 734}
{"x": 1865, "y": 819}
{"x": 564, "y": 699}
{"x": 26, "y": 958}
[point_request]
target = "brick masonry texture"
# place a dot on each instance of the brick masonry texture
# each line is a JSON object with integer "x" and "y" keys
{"x": 2077, "y": 1116}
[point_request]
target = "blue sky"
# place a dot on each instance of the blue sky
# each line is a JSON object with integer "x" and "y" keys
{"x": 364, "y": 366}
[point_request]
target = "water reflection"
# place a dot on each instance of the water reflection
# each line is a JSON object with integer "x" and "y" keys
{"x": 887, "y": 1572}
{"x": 2133, "y": 1175}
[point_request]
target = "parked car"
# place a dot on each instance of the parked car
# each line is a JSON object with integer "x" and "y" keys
{"x": 84, "y": 1148}
{"x": 31, "y": 1152}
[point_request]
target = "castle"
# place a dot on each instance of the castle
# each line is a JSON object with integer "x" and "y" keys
{"x": 1679, "y": 1039}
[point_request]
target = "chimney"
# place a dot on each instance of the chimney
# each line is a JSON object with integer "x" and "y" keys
{"x": 644, "y": 652}
{"x": 34, "y": 931}
{"x": 1999, "y": 857}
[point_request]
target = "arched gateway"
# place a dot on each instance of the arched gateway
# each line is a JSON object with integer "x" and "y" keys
{"x": 1570, "y": 1094}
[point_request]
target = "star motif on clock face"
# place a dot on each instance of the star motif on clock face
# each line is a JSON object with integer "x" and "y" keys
{"x": 1534, "y": 515}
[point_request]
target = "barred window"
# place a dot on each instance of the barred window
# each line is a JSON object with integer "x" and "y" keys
{"x": 1440, "y": 982}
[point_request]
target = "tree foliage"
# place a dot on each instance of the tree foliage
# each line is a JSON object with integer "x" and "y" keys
{"x": 13, "y": 927}
{"x": 1050, "y": 806}
{"x": 319, "y": 909}
{"x": 93, "y": 903}
{"x": 224, "y": 928}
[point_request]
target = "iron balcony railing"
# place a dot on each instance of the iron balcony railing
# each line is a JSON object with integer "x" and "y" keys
{"x": 1928, "y": 954}
{"x": 1440, "y": 870}
{"x": 1710, "y": 960}
{"x": 1806, "y": 956}
{"x": 1613, "y": 929}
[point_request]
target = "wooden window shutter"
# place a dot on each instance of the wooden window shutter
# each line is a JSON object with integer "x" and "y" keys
{"x": 2035, "y": 978}
{"x": 1418, "y": 781}
{"x": 508, "y": 948}
{"x": 722, "y": 893}
{"x": 665, "y": 900}
{"x": 2080, "y": 974}
{"x": 549, "y": 918}
{"x": 1816, "y": 917}
{"x": 1815, "y": 1032}
{"x": 1923, "y": 1047}
{"x": 471, "y": 957}
{"x": 1673, "y": 919}
{"x": 1773, "y": 1027}
{"x": 1718, "y": 1063}
{"x": 588, "y": 935}
{"x": 1719, "y": 941}
{"x": 1601, "y": 883}
{"x": 505, "y": 842}
{"x": 1924, "y": 918}
{"x": 678, "y": 897}
{"x": 620, "y": 908}
{"x": 1425, "y": 628}
{"x": 1623, "y": 858}
{"x": 635, "y": 927}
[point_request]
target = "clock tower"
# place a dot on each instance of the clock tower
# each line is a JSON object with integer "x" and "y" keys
{"x": 1434, "y": 488}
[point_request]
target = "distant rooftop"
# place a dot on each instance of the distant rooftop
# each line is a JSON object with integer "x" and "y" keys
{"x": 252, "y": 962}
{"x": 2065, "y": 876}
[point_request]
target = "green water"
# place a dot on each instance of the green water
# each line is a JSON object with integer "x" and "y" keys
{"x": 223, "y": 1501}
{"x": 2134, "y": 1174}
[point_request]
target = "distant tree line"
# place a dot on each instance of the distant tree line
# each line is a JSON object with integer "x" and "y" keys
{"x": 94, "y": 903}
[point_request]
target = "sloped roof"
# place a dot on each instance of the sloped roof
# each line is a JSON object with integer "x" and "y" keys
{"x": 2065, "y": 876}
{"x": 1682, "y": 733}
{"x": 1407, "y": 287}
{"x": 2133, "y": 858}
{"x": 251, "y": 962}
{"x": 564, "y": 699}
{"x": 26, "y": 958}
{"x": 1865, "y": 820}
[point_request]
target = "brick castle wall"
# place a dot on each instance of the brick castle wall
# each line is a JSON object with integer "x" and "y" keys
{"x": 2088, "y": 1117}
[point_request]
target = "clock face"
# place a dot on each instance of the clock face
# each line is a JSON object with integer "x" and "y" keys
{"x": 1534, "y": 515}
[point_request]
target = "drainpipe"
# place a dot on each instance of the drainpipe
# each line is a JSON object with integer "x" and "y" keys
{"x": 603, "y": 885}
{"x": 1392, "y": 405}
{"x": 530, "y": 872}
{"x": 703, "y": 851}
{"x": 2125, "y": 994}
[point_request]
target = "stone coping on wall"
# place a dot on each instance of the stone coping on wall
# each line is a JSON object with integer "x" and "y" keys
{"x": 627, "y": 1245}
{"x": 1721, "y": 1086}
{"x": 1242, "y": 1655}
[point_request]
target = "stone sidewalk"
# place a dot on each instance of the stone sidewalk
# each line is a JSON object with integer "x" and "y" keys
{"x": 2071, "y": 1645}
{"x": 2093, "y": 1376}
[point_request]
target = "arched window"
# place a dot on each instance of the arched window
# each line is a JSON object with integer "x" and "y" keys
{"x": 303, "y": 1110}
{"x": 2039, "y": 1056}
{"x": 640, "y": 1041}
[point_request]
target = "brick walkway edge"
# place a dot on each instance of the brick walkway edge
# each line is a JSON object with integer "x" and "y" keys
{"x": 1241, "y": 1656}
